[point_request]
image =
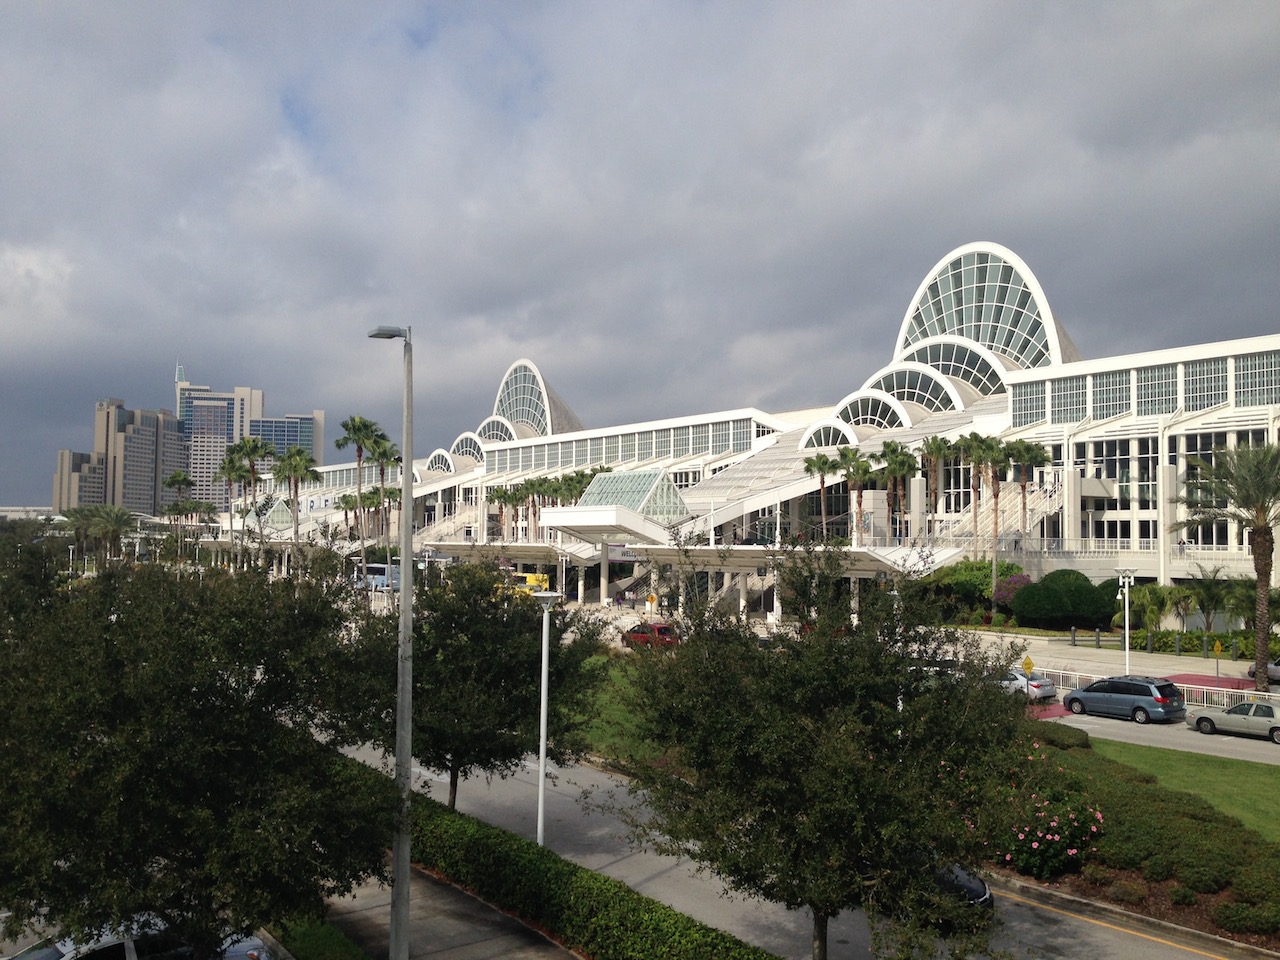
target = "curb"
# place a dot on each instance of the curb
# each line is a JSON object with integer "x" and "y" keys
{"x": 1092, "y": 908}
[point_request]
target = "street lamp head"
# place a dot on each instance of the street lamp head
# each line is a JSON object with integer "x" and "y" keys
{"x": 389, "y": 333}
{"x": 547, "y": 598}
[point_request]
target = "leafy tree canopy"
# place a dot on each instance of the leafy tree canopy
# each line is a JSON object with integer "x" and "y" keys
{"x": 158, "y": 757}
{"x": 839, "y": 767}
{"x": 477, "y": 664}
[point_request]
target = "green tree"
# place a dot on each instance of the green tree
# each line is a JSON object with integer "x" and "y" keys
{"x": 481, "y": 641}
{"x": 1210, "y": 591}
{"x": 179, "y": 721}
{"x": 233, "y": 470}
{"x": 1027, "y": 456}
{"x": 899, "y": 465}
{"x": 975, "y": 452}
{"x": 822, "y": 465}
{"x": 859, "y": 473}
{"x": 361, "y": 433}
{"x": 828, "y": 771}
{"x": 1241, "y": 486}
{"x": 296, "y": 467}
{"x": 382, "y": 453}
{"x": 109, "y": 524}
{"x": 935, "y": 451}
{"x": 180, "y": 481}
{"x": 253, "y": 451}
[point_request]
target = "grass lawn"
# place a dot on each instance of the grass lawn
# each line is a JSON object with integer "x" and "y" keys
{"x": 1239, "y": 788}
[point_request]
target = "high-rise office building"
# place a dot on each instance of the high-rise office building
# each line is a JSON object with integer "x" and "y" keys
{"x": 133, "y": 452}
{"x": 213, "y": 420}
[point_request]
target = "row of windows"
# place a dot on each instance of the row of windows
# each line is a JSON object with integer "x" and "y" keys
{"x": 1149, "y": 391}
{"x": 961, "y": 363}
{"x": 666, "y": 443}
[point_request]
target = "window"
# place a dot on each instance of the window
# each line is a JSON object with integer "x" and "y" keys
{"x": 1206, "y": 383}
{"x": 1067, "y": 399}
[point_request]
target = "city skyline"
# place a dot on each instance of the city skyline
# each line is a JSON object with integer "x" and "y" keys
{"x": 667, "y": 207}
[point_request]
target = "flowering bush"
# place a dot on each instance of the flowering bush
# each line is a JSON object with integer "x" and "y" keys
{"x": 1006, "y": 588}
{"x": 1053, "y": 838}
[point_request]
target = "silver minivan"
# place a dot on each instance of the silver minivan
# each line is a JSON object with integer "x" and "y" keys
{"x": 1130, "y": 698}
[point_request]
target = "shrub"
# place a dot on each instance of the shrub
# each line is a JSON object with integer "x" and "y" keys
{"x": 1060, "y": 735}
{"x": 1205, "y": 874}
{"x": 317, "y": 940}
{"x": 1182, "y": 896}
{"x": 1128, "y": 891}
{"x": 1097, "y": 875}
{"x": 1159, "y": 867}
{"x": 1246, "y": 918}
{"x": 1008, "y": 588}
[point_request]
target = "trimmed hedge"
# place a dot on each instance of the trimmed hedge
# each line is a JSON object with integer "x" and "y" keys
{"x": 586, "y": 911}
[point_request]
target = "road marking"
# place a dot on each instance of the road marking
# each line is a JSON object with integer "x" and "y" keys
{"x": 1111, "y": 926}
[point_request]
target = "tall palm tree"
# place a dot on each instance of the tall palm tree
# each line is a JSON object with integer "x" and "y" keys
{"x": 1026, "y": 455}
{"x": 899, "y": 464}
{"x": 975, "y": 452}
{"x": 997, "y": 470}
{"x": 180, "y": 481}
{"x": 859, "y": 473}
{"x": 348, "y": 504}
{"x": 1241, "y": 486}
{"x": 109, "y": 524}
{"x": 296, "y": 467}
{"x": 361, "y": 433}
{"x": 822, "y": 465}
{"x": 233, "y": 470}
{"x": 382, "y": 452}
{"x": 254, "y": 451}
{"x": 78, "y": 520}
{"x": 934, "y": 453}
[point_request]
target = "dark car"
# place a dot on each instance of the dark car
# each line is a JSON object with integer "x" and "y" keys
{"x": 144, "y": 943}
{"x": 1273, "y": 669}
{"x": 651, "y": 635}
{"x": 1130, "y": 698}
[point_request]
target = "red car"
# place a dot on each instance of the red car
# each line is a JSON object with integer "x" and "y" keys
{"x": 651, "y": 635}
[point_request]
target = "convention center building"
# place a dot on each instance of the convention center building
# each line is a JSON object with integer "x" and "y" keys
{"x": 978, "y": 351}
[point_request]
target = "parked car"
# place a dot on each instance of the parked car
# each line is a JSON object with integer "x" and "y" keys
{"x": 1248, "y": 718}
{"x": 142, "y": 943}
{"x": 1273, "y": 669}
{"x": 1131, "y": 698}
{"x": 652, "y": 634}
{"x": 1036, "y": 686}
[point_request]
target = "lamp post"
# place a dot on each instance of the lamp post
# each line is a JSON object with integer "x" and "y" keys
{"x": 399, "y": 946}
{"x": 1126, "y": 581}
{"x": 547, "y": 598}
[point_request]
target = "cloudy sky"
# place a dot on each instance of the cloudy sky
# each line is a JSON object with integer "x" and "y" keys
{"x": 671, "y": 207}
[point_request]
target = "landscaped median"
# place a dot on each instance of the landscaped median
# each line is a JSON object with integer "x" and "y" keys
{"x": 586, "y": 911}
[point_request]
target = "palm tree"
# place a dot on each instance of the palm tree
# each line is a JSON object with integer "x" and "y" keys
{"x": 1210, "y": 592}
{"x": 78, "y": 520}
{"x": 348, "y": 504}
{"x": 180, "y": 481}
{"x": 361, "y": 433}
{"x": 233, "y": 470}
{"x": 1242, "y": 487}
{"x": 935, "y": 451}
{"x": 899, "y": 464}
{"x": 383, "y": 453}
{"x": 975, "y": 451}
{"x": 822, "y": 465}
{"x": 858, "y": 473}
{"x": 1027, "y": 456}
{"x": 294, "y": 468}
{"x": 109, "y": 523}
{"x": 252, "y": 451}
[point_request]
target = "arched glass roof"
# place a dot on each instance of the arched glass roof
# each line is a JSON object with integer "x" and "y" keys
{"x": 829, "y": 433}
{"x": 522, "y": 400}
{"x": 873, "y": 408}
{"x": 496, "y": 428}
{"x": 954, "y": 358}
{"x": 983, "y": 292}
{"x": 918, "y": 384}
{"x": 468, "y": 445}
{"x": 439, "y": 462}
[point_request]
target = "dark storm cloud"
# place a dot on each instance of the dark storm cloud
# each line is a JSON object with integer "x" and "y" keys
{"x": 670, "y": 207}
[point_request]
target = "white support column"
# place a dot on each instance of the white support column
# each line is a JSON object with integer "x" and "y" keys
{"x": 604, "y": 573}
{"x": 742, "y": 593}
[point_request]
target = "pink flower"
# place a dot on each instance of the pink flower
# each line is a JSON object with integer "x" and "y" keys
{"x": 1035, "y": 845}
{"x": 1072, "y": 852}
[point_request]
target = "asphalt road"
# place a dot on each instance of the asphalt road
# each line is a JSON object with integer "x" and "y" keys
{"x": 580, "y": 831}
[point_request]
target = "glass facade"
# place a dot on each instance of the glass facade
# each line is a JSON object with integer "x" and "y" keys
{"x": 1028, "y": 404}
{"x": 871, "y": 412}
{"x": 923, "y": 387}
{"x": 1206, "y": 383}
{"x": 1067, "y": 399}
{"x": 1258, "y": 379}
{"x": 981, "y": 297}
{"x": 1157, "y": 390}
{"x": 1112, "y": 395}
{"x": 521, "y": 399}
{"x": 961, "y": 363}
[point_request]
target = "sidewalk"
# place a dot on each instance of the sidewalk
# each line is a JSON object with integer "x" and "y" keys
{"x": 444, "y": 922}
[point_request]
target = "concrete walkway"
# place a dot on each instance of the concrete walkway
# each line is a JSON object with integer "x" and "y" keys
{"x": 444, "y": 922}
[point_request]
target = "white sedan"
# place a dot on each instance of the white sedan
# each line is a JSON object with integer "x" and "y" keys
{"x": 1035, "y": 686}
{"x": 1249, "y": 718}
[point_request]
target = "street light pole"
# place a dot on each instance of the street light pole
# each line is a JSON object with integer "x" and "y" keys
{"x": 399, "y": 934}
{"x": 547, "y": 598}
{"x": 1126, "y": 581}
